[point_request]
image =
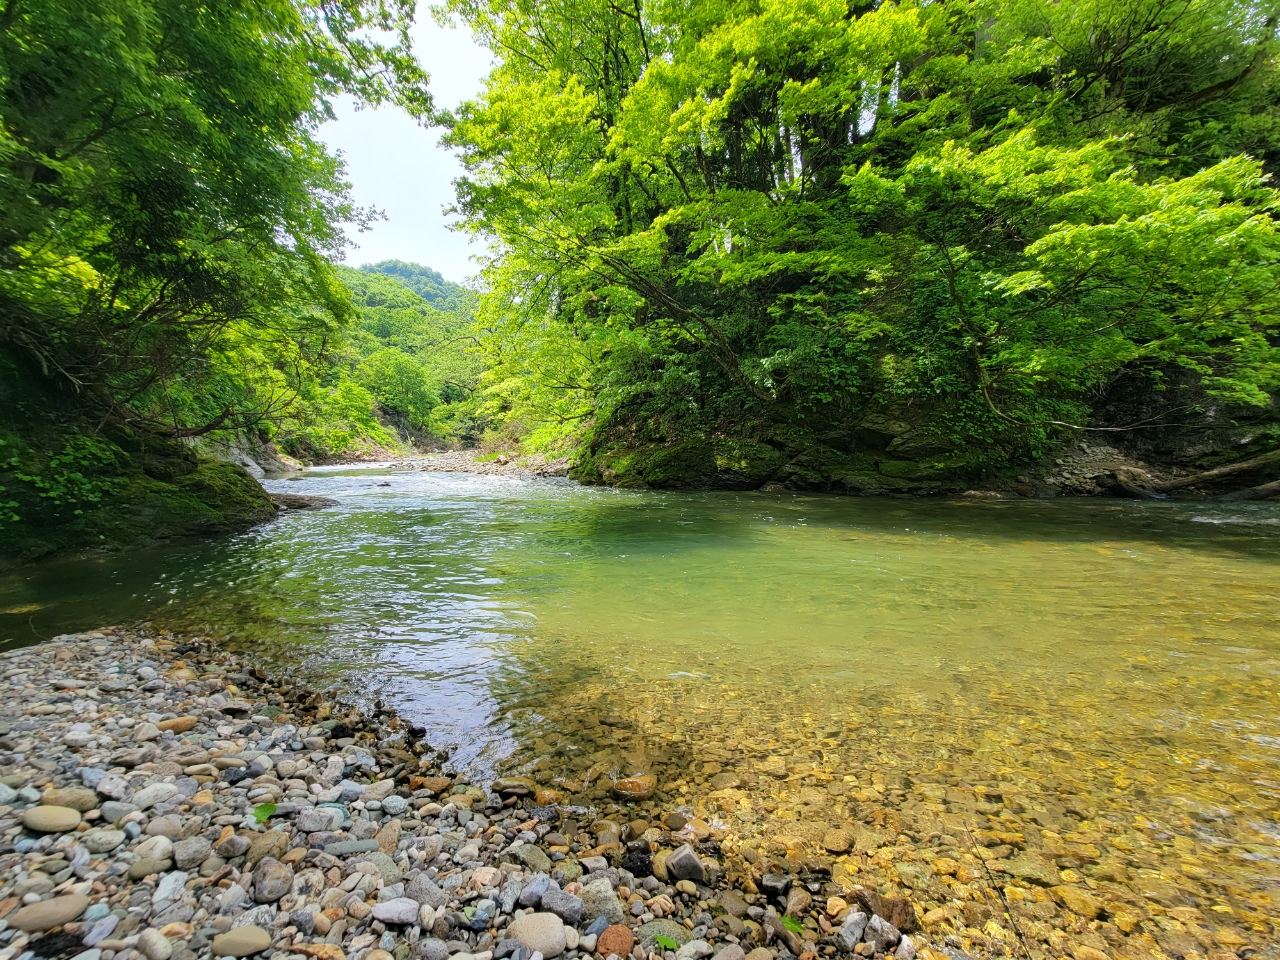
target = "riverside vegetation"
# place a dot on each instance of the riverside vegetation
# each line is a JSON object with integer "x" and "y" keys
{"x": 859, "y": 247}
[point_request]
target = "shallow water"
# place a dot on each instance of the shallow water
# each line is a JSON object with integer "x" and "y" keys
{"x": 1097, "y": 682}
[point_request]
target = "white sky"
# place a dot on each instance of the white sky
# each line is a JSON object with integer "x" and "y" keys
{"x": 398, "y": 167}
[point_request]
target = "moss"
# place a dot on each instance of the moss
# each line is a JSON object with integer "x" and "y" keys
{"x": 67, "y": 485}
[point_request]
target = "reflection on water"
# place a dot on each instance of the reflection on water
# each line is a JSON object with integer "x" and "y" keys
{"x": 1093, "y": 682}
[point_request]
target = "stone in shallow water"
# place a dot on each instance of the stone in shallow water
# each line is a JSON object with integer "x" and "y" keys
{"x": 635, "y": 788}
{"x": 685, "y": 864}
{"x": 1033, "y": 867}
{"x": 881, "y": 934}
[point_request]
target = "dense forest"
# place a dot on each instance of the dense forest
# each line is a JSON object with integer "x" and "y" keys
{"x": 859, "y": 247}
{"x": 874, "y": 246}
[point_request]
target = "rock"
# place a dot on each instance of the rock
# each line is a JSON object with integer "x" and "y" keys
{"x": 850, "y": 933}
{"x": 431, "y": 949}
{"x": 271, "y": 880}
{"x": 234, "y": 846}
{"x": 540, "y": 932}
{"x": 401, "y": 910}
{"x": 154, "y": 945}
{"x": 725, "y": 781}
{"x": 50, "y": 819}
{"x": 314, "y": 820}
{"x": 1033, "y": 867}
{"x": 114, "y": 810}
{"x": 145, "y": 733}
{"x": 395, "y": 805}
{"x": 616, "y": 939}
{"x": 113, "y": 786}
{"x": 77, "y": 798}
{"x": 730, "y": 951}
{"x": 533, "y": 890}
{"x": 389, "y": 837}
{"x": 156, "y": 793}
{"x": 272, "y": 844}
{"x": 532, "y": 857}
{"x": 170, "y": 886}
{"x": 663, "y": 928}
{"x": 775, "y": 885}
{"x": 780, "y": 931}
{"x": 424, "y": 891}
{"x": 379, "y": 790}
{"x": 178, "y": 724}
{"x": 566, "y": 906}
{"x": 685, "y": 864}
{"x": 593, "y": 864}
{"x": 436, "y": 785}
{"x": 146, "y": 866}
{"x": 347, "y": 848}
{"x": 694, "y": 950}
{"x": 102, "y": 841}
{"x": 798, "y": 902}
{"x": 838, "y": 840}
{"x": 733, "y": 903}
{"x": 514, "y": 786}
{"x": 191, "y": 852}
{"x": 241, "y": 942}
{"x": 1077, "y": 900}
{"x": 760, "y": 953}
{"x": 881, "y": 934}
{"x": 41, "y": 916}
{"x": 599, "y": 901}
{"x": 906, "y": 949}
{"x": 635, "y": 788}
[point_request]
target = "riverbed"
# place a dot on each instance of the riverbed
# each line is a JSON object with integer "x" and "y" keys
{"x": 1085, "y": 690}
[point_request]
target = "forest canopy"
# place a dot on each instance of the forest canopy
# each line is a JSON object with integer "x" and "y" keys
{"x": 974, "y": 220}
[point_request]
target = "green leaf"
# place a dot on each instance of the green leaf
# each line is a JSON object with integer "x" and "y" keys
{"x": 792, "y": 924}
{"x": 263, "y": 811}
{"x": 666, "y": 943}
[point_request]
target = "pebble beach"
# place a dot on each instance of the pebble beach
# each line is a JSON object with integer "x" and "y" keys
{"x": 163, "y": 799}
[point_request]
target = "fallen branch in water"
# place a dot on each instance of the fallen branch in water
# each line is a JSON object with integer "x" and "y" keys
{"x": 1264, "y": 491}
{"x": 1218, "y": 473}
{"x": 991, "y": 881}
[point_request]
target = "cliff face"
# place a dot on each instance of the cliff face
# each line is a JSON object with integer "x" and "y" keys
{"x": 70, "y": 482}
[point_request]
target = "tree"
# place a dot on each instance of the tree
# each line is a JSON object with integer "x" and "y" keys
{"x": 785, "y": 215}
{"x": 164, "y": 200}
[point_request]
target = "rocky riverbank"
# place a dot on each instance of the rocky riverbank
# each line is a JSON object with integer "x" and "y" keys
{"x": 161, "y": 800}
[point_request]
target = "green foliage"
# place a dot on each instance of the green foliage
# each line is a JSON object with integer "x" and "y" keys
{"x": 166, "y": 211}
{"x": 403, "y": 366}
{"x": 666, "y": 943}
{"x": 977, "y": 218}
{"x": 792, "y": 924}
{"x": 263, "y": 811}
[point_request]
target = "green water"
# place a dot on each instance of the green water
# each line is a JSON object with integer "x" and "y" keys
{"x": 1107, "y": 673}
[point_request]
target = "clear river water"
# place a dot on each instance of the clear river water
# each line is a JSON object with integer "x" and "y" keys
{"x": 1092, "y": 682}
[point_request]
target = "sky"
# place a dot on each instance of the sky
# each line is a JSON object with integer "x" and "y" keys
{"x": 398, "y": 167}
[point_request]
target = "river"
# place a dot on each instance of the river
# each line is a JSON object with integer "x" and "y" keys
{"x": 1100, "y": 678}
